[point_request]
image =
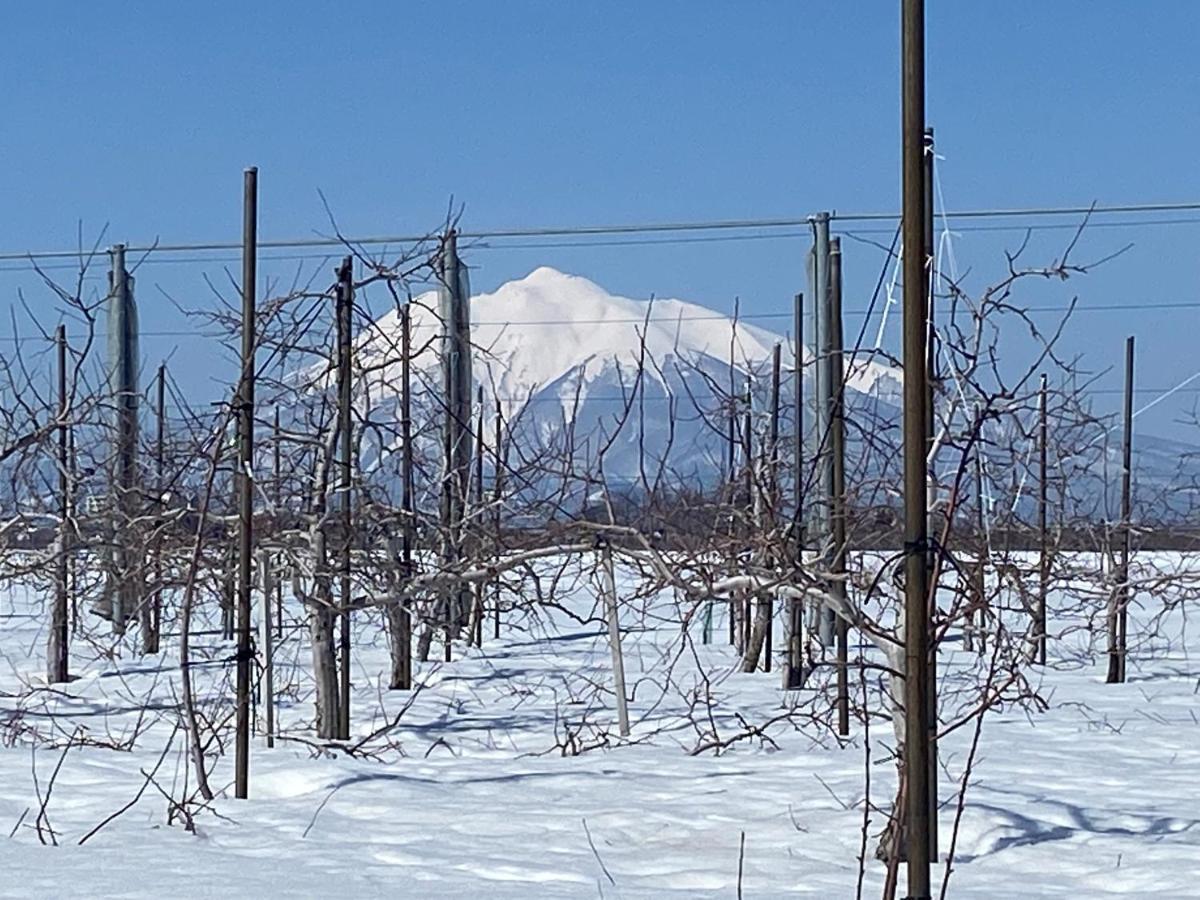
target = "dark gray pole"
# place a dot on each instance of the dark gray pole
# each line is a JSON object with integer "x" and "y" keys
{"x": 456, "y": 368}
{"x": 822, "y": 374}
{"x": 59, "y": 652}
{"x": 978, "y": 620}
{"x": 748, "y": 480}
{"x": 931, "y": 331}
{"x": 277, "y": 488}
{"x": 730, "y": 493}
{"x": 916, "y": 543}
{"x": 1043, "y": 532}
{"x": 477, "y": 494}
{"x": 793, "y": 674}
{"x": 1118, "y": 622}
{"x": 123, "y": 366}
{"x": 154, "y": 632}
{"x": 245, "y": 487}
{"x": 935, "y": 563}
{"x": 406, "y": 492}
{"x": 345, "y": 300}
{"x": 772, "y": 504}
{"x": 837, "y": 500}
{"x": 497, "y": 498}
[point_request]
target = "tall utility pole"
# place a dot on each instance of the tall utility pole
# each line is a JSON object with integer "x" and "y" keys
{"x": 837, "y": 504}
{"x": 123, "y": 384}
{"x": 245, "y": 486}
{"x": 1043, "y": 533}
{"x": 345, "y": 303}
{"x": 793, "y": 670}
{"x": 916, "y": 542}
{"x": 818, "y": 274}
{"x": 58, "y": 654}
{"x": 1119, "y": 619}
{"x": 454, "y": 303}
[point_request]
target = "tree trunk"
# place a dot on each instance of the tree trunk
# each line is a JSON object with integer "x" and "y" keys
{"x": 757, "y": 634}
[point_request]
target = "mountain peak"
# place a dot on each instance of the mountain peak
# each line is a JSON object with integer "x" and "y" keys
{"x": 553, "y": 328}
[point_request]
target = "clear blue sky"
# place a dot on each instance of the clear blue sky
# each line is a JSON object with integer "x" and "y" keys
{"x": 141, "y": 116}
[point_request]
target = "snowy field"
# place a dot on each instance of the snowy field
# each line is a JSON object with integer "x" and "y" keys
{"x": 472, "y": 795}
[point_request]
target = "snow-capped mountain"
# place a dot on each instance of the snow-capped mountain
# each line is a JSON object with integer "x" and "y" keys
{"x": 558, "y": 350}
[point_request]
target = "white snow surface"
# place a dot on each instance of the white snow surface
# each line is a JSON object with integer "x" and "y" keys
{"x": 549, "y": 325}
{"x": 1096, "y": 797}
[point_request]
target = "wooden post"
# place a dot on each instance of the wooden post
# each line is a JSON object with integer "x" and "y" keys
{"x": 345, "y": 301}
{"x": 1119, "y": 617}
{"x": 614, "y": 636}
{"x": 58, "y": 648}
{"x": 245, "y": 487}
{"x": 837, "y": 500}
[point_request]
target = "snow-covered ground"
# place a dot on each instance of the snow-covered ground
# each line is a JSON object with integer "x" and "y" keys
{"x": 472, "y": 795}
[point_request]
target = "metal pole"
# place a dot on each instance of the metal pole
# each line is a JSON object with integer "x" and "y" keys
{"x": 153, "y": 633}
{"x": 748, "y": 476}
{"x": 245, "y": 487}
{"x": 268, "y": 647}
{"x": 837, "y": 507}
{"x": 772, "y": 504}
{"x": 934, "y": 564}
{"x": 477, "y": 494}
{"x": 1118, "y": 622}
{"x": 406, "y": 492}
{"x": 497, "y": 495}
{"x": 916, "y": 543}
{"x": 345, "y": 299}
{"x": 1043, "y": 532}
{"x": 731, "y": 491}
{"x": 277, "y": 497}
{"x": 793, "y": 673}
{"x": 978, "y": 620}
{"x": 58, "y": 656}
